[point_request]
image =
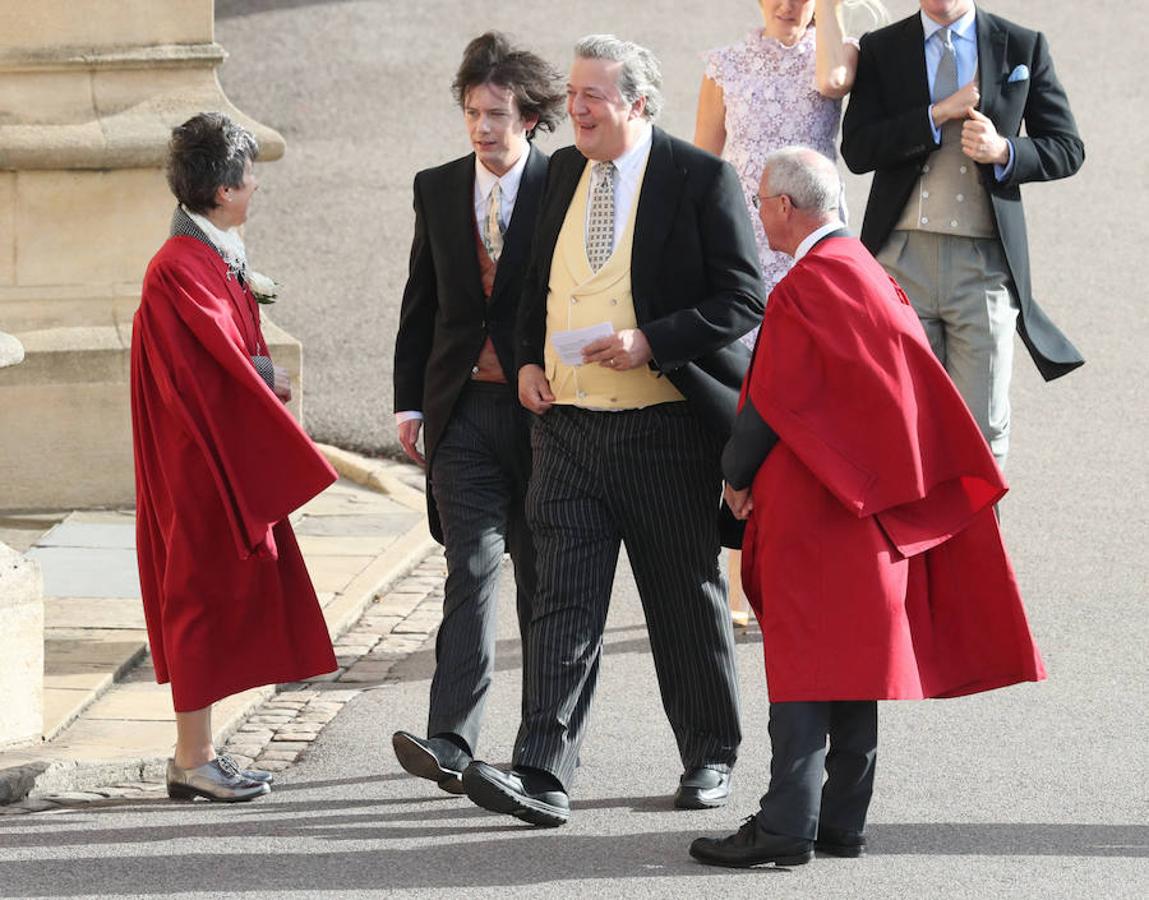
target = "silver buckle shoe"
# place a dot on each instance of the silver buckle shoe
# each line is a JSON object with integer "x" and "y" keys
{"x": 230, "y": 765}
{"x": 215, "y": 780}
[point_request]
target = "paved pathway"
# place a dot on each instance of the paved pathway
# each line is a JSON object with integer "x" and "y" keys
{"x": 1037, "y": 791}
{"x": 105, "y": 718}
{"x": 974, "y": 799}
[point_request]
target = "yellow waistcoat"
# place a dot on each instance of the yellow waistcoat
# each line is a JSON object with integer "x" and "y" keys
{"x": 578, "y": 297}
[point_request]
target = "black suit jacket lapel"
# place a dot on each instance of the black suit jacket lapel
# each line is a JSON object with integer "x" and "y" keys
{"x": 565, "y": 173}
{"x": 914, "y": 53}
{"x": 517, "y": 240}
{"x": 459, "y": 206}
{"x": 657, "y": 204}
{"x": 992, "y": 43}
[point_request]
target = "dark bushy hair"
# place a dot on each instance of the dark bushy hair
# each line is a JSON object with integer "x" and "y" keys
{"x": 536, "y": 84}
{"x": 207, "y": 152}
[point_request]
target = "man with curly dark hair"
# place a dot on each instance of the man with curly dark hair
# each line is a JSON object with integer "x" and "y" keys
{"x": 454, "y": 378}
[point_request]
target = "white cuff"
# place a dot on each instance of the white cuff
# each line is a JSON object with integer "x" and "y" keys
{"x": 408, "y": 415}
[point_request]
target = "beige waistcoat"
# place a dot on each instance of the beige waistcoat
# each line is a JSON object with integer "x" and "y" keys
{"x": 949, "y": 198}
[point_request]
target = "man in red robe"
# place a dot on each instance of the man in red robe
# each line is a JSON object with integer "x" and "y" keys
{"x": 872, "y": 555}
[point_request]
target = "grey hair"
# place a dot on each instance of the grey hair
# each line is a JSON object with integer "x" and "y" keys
{"x": 807, "y": 177}
{"x": 641, "y": 75}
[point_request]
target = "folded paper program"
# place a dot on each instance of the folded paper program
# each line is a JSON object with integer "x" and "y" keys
{"x": 569, "y": 344}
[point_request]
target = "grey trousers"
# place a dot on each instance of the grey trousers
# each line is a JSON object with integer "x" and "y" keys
{"x": 797, "y": 801}
{"x": 963, "y": 293}
{"x": 478, "y": 482}
{"x": 648, "y": 479}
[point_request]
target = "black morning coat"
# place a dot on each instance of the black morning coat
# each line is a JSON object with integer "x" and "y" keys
{"x": 445, "y": 319}
{"x": 694, "y": 278}
{"x": 694, "y": 272}
{"x": 886, "y": 130}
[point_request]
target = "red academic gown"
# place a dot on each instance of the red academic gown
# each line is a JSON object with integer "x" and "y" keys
{"x": 220, "y": 463}
{"x": 872, "y": 557}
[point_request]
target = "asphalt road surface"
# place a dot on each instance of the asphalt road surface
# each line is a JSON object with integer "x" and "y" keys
{"x": 1035, "y": 791}
{"x": 1026, "y": 792}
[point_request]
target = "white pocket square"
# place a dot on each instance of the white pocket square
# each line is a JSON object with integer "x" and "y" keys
{"x": 1021, "y": 73}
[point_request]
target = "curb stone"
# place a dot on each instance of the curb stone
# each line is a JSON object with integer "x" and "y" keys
{"x": 414, "y": 552}
{"x": 401, "y": 481}
{"x": 280, "y": 731}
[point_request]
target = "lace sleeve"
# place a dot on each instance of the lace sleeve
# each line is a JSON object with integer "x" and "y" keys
{"x": 716, "y": 65}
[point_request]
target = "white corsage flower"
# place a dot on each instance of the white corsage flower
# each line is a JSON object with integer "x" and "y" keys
{"x": 263, "y": 288}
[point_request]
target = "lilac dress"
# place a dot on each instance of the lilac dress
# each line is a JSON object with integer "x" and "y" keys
{"x": 771, "y": 102}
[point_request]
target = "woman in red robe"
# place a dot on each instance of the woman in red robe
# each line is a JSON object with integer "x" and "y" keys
{"x": 220, "y": 463}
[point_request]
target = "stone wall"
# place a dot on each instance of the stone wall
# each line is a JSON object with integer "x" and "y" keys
{"x": 90, "y": 90}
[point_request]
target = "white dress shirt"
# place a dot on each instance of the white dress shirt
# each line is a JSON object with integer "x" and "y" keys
{"x": 509, "y": 181}
{"x": 814, "y": 236}
{"x": 485, "y": 181}
{"x": 628, "y": 170}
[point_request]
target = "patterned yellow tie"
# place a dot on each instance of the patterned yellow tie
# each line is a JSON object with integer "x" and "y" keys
{"x": 600, "y": 223}
{"x": 493, "y": 232}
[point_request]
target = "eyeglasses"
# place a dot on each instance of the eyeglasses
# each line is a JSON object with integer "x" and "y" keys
{"x": 758, "y": 198}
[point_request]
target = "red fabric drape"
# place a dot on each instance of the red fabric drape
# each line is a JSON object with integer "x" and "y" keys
{"x": 220, "y": 463}
{"x": 873, "y": 558}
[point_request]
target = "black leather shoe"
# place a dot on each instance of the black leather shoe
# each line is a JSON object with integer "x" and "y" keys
{"x": 702, "y": 788}
{"x": 516, "y": 794}
{"x": 840, "y": 842}
{"x": 751, "y": 846}
{"x": 436, "y": 759}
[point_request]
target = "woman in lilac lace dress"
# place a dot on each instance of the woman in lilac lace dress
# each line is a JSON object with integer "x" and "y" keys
{"x": 781, "y": 85}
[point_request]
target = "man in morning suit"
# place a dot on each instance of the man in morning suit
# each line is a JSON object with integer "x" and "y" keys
{"x": 454, "y": 374}
{"x": 648, "y": 234}
{"x": 936, "y": 114}
{"x": 872, "y": 557}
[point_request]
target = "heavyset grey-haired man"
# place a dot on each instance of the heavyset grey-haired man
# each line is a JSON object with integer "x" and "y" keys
{"x": 639, "y": 76}
{"x": 649, "y": 236}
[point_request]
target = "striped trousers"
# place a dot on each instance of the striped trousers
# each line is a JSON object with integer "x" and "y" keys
{"x": 478, "y": 479}
{"x": 649, "y": 479}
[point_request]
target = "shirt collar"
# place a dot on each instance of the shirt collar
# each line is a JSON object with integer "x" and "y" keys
{"x": 228, "y": 243}
{"x": 959, "y": 29}
{"x": 633, "y": 158}
{"x": 814, "y": 236}
{"x": 509, "y": 181}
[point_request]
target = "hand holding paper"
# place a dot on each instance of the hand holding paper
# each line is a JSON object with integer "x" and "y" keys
{"x": 627, "y": 349}
{"x": 570, "y": 344}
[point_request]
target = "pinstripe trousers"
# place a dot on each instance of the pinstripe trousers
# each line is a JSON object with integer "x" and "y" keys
{"x": 649, "y": 479}
{"x": 478, "y": 479}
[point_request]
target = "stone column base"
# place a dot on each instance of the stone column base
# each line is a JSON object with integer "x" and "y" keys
{"x": 66, "y": 440}
{"x": 21, "y": 649}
